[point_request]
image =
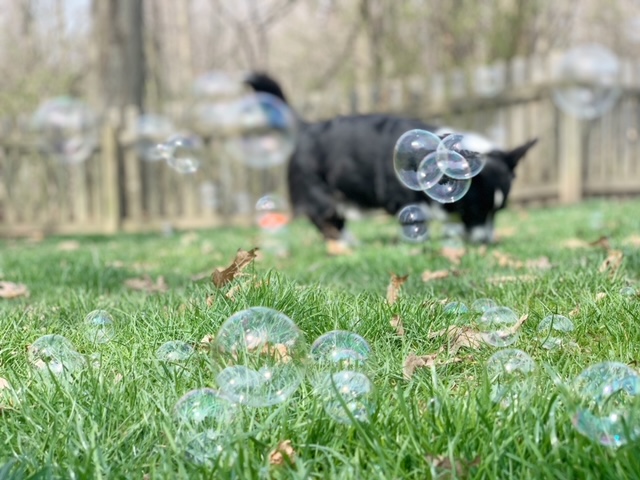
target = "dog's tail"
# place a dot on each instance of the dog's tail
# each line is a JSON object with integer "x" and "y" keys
{"x": 261, "y": 82}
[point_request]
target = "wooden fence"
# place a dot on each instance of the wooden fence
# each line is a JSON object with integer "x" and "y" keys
{"x": 115, "y": 190}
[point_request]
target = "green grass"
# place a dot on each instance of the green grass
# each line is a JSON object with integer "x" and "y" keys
{"x": 99, "y": 427}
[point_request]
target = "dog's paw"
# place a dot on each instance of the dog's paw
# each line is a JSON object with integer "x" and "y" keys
{"x": 349, "y": 238}
{"x": 338, "y": 247}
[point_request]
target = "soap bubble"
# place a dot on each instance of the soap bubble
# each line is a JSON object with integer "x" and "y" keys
{"x": 455, "y": 308}
{"x": 262, "y": 354}
{"x": 471, "y": 147}
{"x": 56, "y": 355}
{"x": 481, "y": 305}
{"x": 175, "y": 354}
{"x": 453, "y": 164}
{"x": 589, "y": 76}
{"x": 351, "y": 389}
{"x": 217, "y": 85}
{"x": 448, "y": 190}
{"x": 266, "y": 130}
{"x": 511, "y": 375}
{"x": 498, "y": 326}
{"x": 410, "y": 150}
{"x": 184, "y": 152}
{"x": 272, "y": 216}
{"x": 628, "y": 292}
{"x": 340, "y": 350}
{"x": 429, "y": 172}
{"x": 99, "y": 326}
{"x": 554, "y": 330}
{"x": 203, "y": 418}
{"x": 413, "y": 223}
{"x": 152, "y": 131}
{"x": 68, "y": 129}
{"x": 606, "y": 404}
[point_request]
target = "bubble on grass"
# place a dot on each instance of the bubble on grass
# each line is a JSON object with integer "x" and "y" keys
{"x": 262, "y": 355}
{"x": 471, "y": 147}
{"x": 481, "y": 305}
{"x": 429, "y": 172}
{"x": 152, "y": 130}
{"x": 67, "y": 129}
{"x": 99, "y": 326}
{"x": 265, "y": 132}
{"x": 203, "y": 418}
{"x": 413, "y": 221}
{"x": 348, "y": 395}
{"x": 338, "y": 350}
{"x": 554, "y": 331}
{"x": 409, "y": 152}
{"x": 455, "y": 308}
{"x": 511, "y": 375}
{"x": 628, "y": 292}
{"x": 606, "y": 404}
{"x": 448, "y": 190}
{"x": 589, "y": 81}
{"x": 184, "y": 152}
{"x": 56, "y": 355}
{"x": 175, "y": 354}
{"x": 497, "y": 326}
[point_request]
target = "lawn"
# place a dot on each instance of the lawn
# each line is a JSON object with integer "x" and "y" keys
{"x": 115, "y": 420}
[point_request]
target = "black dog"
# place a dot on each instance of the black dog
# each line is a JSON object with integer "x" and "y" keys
{"x": 350, "y": 158}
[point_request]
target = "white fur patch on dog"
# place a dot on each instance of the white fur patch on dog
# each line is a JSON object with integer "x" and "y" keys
{"x": 482, "y": 233}
{"x": 498, "y": 198}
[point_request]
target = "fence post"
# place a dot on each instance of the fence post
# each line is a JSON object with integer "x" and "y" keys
{"x": 571, "y": 159}
{"x": 110, "y": 181}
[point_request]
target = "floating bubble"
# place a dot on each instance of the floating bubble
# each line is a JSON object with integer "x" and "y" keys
{"x": 348, "y": 396}
{"x": 497, "y": 325}
{"x": 272, "y": 212}
{"x": 606, "y": 404}
{"x": 511, "y": 375}
{"x": 203, "y": 418}
{"x": 152, "y": 131}
{"x": 265, "y": 132}
{"x": 217, "y": 85}
{"x": 628, "y": 292}
{"x": 340, "y": 350}
{"x": 56, "y": 355}
{"x": 453, "y": 165}
{"x": 589, "y": 81}
{"x": 99, "y": 326}
{"x": 455, "y": 308}
{"x": 262, "y": 354}
{"x": 481, "y": 305}
{"x": 471, "y": 147}
{"x": 184, "y": 152}
{"x": 554, "y": 331}
{"x": 410, "y": 151}
{"x": 68, "y": 129}
{"x": 176, "y": 354}
{"x": 448, "y": 190}
{"x": 429, "y": 173}
{"x": 413, "y": 223}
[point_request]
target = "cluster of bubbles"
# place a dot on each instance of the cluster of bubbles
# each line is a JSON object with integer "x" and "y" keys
{"x": 588, "y": 77}
{"x": 67, "y": 129}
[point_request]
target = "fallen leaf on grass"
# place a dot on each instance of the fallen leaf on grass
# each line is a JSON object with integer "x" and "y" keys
{"x": 600, "y": 296}
{"x": 428, "y": 276}
{"x": 413, "y": 362}
{"x": 393, "y": 290}
{"x": 501, "y": 279}
{"x": 68, "y": 246}
{"x": 444, "y": 469}
{"x": 338, "y": 248}
{"x": 453, "y": 254}
{"x": 146, "y": 284}
{"x": 633, "y": 240}
{"x": 13, "y": 290}
{"x": 603, "y": 242}
{"x": 612, "y": 263}
{"x": 5, "y": 403}
{"x": 575, "y": 243}
{"x": 396, "y": 322}
{"x": 505, "y": 260}
{"x": 575, "y": 311}
{"x": 283, "y": 452}
{"x": 243, "y": 259}
{"x": 505, "y": 232}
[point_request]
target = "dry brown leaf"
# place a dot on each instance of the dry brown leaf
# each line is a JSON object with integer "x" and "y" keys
{"x": 211, "y": 299}
{"x": 243, "y": 259}
{"x": 481, "y": 250}
{"x": 208, "y": 338}
{"x": 146, "y": 284}
{"x": 233, "y": 290}
{"x": 4, "y": 384}
{"x": 117, "y": 378}
{"x": 428, "y": 276}
{"x": 612, "y": 263}
{"x": 413, "y": 362}
{"x": 505, "y": 232}
{"x": 575, "y": 311}
{"x": 396, "y": 322}
{"x": 575, "y": 243}
{"x": 505, "y": 260}
{"x": 13, "y": 290}
{"x": 601, "y": 242}
{"x": 633, "y": 240}
{"x": 600, "y": 296}
{"x": 540, "y": 263}
{"x": 453, "y": 254}
{"x": 393, "y": 290}
{"x": 200, "y": 276}
{"x": 284, "y": 452}
{"x": 68, "y": 246}
{"x": 338, "y": 248}
{"x": 444, "y": 469}
{"x": 499, "y": 280}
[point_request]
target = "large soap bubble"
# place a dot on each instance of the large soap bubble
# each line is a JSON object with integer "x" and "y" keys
{"x": 184, "y": 152}
{"x": 413, "y": 221}
{"x": 409, "y": 152}
{"x": 215, "y": 109}
{"x": 99, "y": 326}
{"x": 606, "y": 403}
{"x": 262, "y": 355}
{"x": 589, "y": 78}
{"x": 55, "y": 355}
{"x": 347, "y": 396}
{"x": 497, "y": 325}
{"x": 152, "y": 131}
{"x": 67, "y": 128}
{"x": 511, "y": 375}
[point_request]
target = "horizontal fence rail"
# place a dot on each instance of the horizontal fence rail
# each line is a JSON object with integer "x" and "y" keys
{"x": 511, "y": 103}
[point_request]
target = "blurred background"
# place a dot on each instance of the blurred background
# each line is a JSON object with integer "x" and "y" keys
{"x": 492, "y": 67}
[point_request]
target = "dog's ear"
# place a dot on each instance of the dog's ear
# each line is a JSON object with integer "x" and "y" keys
{"x": 511, "y": 158}
{"x": 261, "y": 82}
